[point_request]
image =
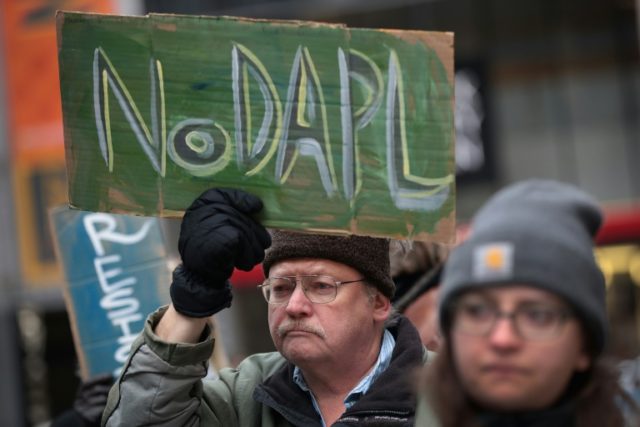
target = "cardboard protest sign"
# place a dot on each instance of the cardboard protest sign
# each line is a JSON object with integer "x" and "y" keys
{"x": 338, "y": 130}
{"x": 117, "y": 273}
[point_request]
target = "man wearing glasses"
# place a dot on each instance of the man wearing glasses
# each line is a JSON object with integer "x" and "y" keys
{"x": 341, "y": 360}
{"x": 522, "y": 310}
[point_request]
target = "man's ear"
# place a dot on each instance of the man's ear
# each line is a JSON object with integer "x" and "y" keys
{"x": 381, "y": 307}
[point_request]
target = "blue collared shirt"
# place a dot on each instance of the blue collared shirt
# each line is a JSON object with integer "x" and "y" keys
{"x": 384, "y": 358}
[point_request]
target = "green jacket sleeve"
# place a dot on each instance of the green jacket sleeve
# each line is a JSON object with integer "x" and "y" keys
{"x": 160, "y": 385}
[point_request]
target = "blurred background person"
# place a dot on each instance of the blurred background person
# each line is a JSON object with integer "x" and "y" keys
{"x": 416, "y": 270}
{"x": 523, "y": 315}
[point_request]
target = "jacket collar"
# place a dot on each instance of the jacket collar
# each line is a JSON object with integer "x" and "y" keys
{"x": 390, "y": 398}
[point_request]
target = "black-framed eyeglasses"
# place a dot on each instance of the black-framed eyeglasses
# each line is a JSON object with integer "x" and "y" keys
{"x": 319, "y": 289}
{"x": 530, "y": 321}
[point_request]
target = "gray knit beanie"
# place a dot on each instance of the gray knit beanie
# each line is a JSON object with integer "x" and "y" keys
{"x": 538, "y": 233}
{"x": 368, "y": 255}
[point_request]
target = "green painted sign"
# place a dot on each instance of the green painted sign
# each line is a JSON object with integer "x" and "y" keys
{"x": 338, "y": 130}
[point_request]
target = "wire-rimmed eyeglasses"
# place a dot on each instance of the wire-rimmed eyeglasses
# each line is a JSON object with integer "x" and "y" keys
{"x": 319, "y": 289}
{"x": 530, "y": 321}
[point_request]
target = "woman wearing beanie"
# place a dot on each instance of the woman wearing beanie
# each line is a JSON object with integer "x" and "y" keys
{"x": 522, "y": 313}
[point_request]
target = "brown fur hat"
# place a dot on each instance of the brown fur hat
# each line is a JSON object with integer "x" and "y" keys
{"x": 368, "y": 255}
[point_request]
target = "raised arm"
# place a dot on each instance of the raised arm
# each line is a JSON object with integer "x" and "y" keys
{"x": 160, "y": 384}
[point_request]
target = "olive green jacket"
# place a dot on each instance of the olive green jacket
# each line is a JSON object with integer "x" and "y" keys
{"x": 161, "y": 385}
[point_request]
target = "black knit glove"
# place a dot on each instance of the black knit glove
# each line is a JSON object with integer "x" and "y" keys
{"x": 216, "y": 235}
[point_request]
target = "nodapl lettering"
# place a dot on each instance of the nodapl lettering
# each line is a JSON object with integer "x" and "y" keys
{"x": 359, "y": 118}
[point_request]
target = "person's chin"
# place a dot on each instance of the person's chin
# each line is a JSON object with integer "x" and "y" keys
{"x": 507, "y": 399}
{"x": 297, "y": 354}
{"x": 300, "y": 343}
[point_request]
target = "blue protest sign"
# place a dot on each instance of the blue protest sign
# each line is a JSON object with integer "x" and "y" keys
{"x": 117, "y": 273}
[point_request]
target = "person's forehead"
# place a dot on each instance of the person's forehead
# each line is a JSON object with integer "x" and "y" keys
{"x": 296, "y": 266}
{"x": 517, "y": 294}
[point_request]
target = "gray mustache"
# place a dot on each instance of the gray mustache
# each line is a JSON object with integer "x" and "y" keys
{"x": 298, "y": 326}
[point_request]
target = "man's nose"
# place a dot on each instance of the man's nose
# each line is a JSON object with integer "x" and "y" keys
{"x": 298, "y": 302}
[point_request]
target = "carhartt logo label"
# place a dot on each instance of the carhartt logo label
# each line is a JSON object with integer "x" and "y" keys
{"x": 493, "y": 261}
